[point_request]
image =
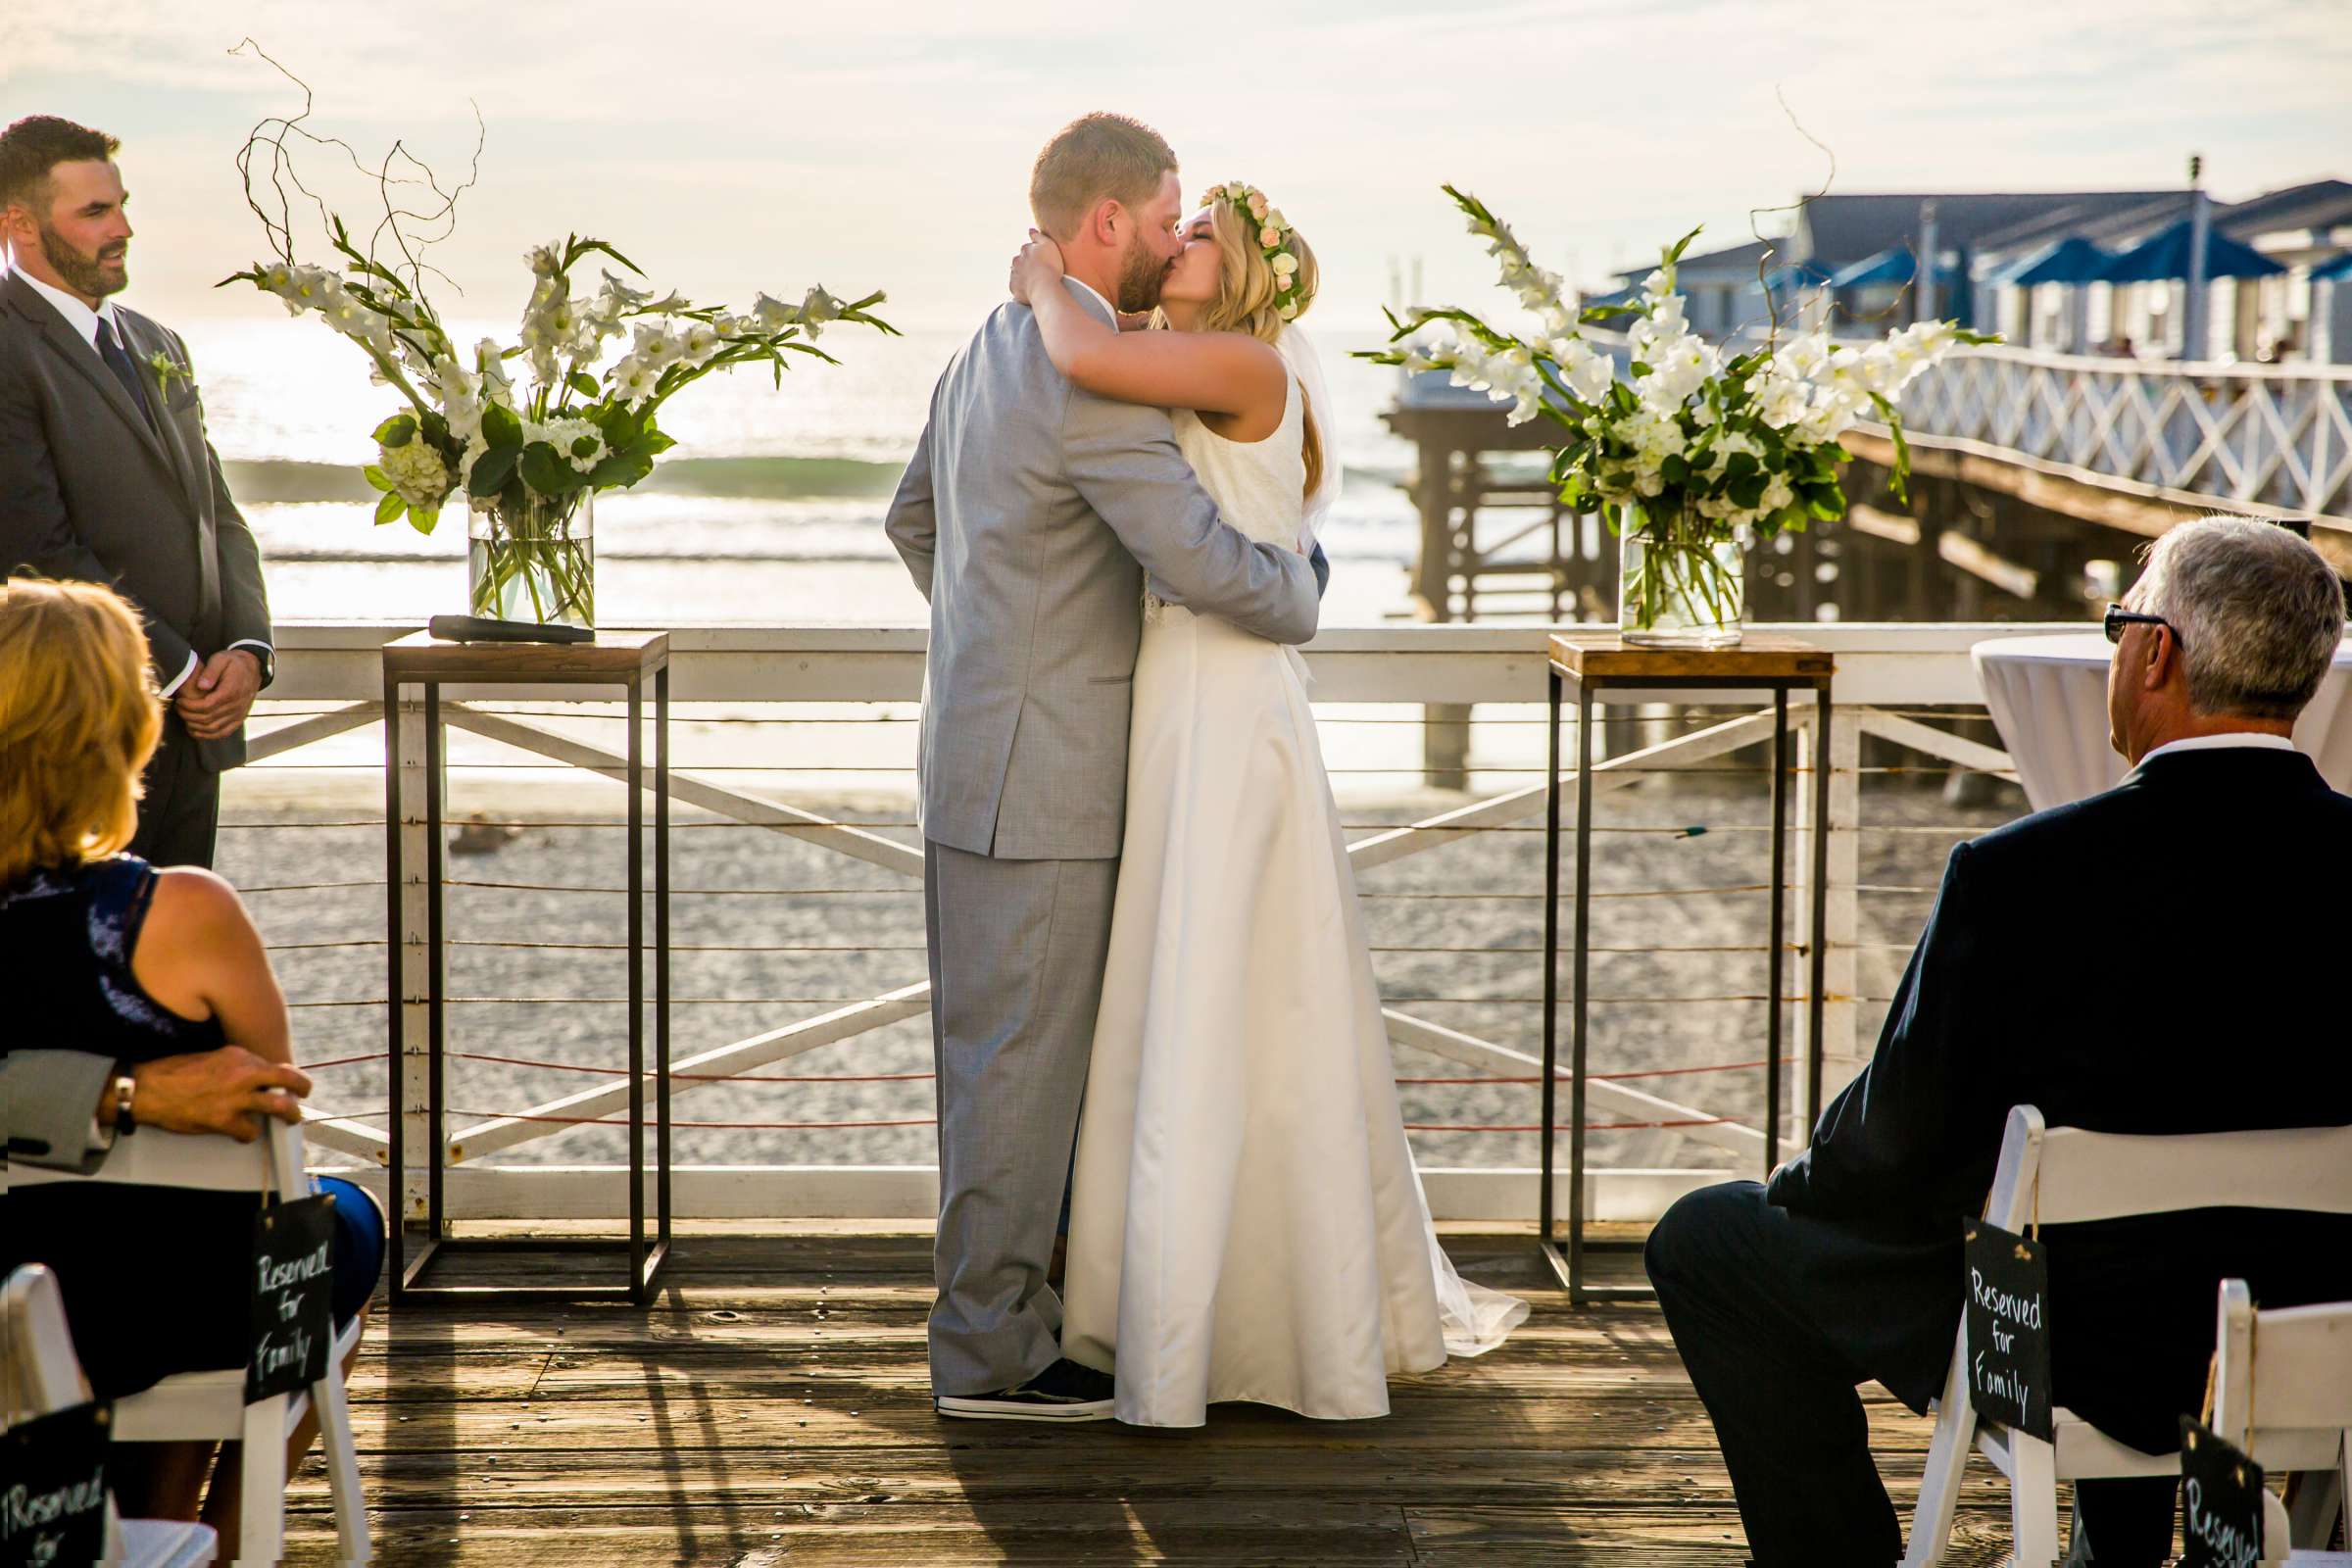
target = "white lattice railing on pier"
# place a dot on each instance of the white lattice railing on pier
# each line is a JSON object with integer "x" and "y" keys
{"x": 1881, "y": 668}
{"x": 2255, "y": 436}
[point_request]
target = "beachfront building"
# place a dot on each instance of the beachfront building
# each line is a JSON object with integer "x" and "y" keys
{"x": 2042, "y": 270}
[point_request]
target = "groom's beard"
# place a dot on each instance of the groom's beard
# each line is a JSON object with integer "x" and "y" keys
{"x": 1140, "y": 275}
{"x": 89, "y": 275}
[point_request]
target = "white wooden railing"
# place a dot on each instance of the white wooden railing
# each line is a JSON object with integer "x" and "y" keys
{"x": 2273, "y": 439}
{"x": 1901, "y": 683}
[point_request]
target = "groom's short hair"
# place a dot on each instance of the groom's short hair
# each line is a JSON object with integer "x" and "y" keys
{"x": 1094, "y": 157}
{"x": 35, "y": 145}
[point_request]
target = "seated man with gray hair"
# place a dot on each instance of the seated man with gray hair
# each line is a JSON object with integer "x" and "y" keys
{"x": 2166, "y": 957}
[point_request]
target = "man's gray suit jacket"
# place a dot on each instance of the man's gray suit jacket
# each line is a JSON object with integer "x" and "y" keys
{"x": 90, "y": 491}
{"x": 1030, "y": 517}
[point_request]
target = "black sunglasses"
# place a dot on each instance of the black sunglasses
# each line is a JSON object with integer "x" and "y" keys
{"x": 2118, "y": 618}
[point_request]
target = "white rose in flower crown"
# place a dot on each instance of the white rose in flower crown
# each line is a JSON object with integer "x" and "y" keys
{"x": 1284, "y": 264}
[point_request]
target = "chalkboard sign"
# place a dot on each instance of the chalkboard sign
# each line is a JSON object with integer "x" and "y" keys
{"x": 293, "y": 1278}
{"x": 53, "y": 1502}
{"x": 2008, "y": 1328}
{"x": 2221, "y": 1501}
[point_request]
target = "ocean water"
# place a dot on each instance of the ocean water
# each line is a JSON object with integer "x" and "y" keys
{"x": 769, "y": 510}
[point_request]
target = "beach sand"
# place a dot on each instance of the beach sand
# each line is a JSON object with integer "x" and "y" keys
{"x": 785, "y": 930}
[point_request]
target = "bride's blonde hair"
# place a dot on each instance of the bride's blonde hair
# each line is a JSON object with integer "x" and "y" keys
{"x": 1249, "y": 298}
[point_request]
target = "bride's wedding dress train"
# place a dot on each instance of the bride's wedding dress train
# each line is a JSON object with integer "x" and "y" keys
{"x": 1246, "y": 1219}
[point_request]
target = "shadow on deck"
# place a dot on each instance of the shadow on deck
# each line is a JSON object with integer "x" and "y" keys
{"x": 774, "y": 1405}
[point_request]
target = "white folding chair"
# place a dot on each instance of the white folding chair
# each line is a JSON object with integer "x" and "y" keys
{"x": 209, "y": 1406}
{"x": 2065, "y": 1176}
{"x": 2282, "y": 1392}
{"x": 43, "y": 1376}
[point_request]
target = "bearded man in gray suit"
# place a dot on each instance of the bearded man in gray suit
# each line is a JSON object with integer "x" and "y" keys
{"x": 106, "y": 475}
{"x": 1032, "y": 517}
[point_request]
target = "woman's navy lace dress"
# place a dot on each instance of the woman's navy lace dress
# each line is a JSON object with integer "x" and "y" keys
{"x": 154, "y": 1278}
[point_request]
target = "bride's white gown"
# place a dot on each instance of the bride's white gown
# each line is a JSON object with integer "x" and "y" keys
{"x": 1245, "y": 1220}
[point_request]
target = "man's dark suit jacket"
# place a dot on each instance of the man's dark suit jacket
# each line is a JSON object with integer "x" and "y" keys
{"x": 2171, "y": 956}
{"x": 89, "y": 490}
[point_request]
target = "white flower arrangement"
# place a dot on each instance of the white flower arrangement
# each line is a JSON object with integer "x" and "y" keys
{"x": 1694, "y": 447}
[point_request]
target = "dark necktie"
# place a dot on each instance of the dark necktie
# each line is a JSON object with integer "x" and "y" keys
{"x": 110, "y": 349}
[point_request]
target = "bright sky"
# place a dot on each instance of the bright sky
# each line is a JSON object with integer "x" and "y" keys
{"x": 730, "y": 145}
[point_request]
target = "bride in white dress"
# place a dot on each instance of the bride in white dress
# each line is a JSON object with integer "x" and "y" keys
{"x": 1246, "y": 1221}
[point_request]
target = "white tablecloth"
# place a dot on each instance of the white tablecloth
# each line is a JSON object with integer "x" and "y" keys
{"x": 2048, "y": 697}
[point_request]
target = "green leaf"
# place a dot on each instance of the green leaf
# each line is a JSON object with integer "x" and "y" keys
{"x": 423, "y": 519}
{"x": 396, "y": 431}
{"x": 1902, "y": 449}
{"x": 375, "y": 479}
{"x": 389, "y": 508}
{"x": 545, "y": 472}
{"x": 584, "y": 384}
{"x": 621, "y": 469}
{"x": 1681, "y": 245}
{"x": 503, "y": 430}
{"x": 491, "y": 472}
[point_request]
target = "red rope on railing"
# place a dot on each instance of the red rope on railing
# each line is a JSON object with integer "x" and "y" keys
{"x": 729, "y": 1126}
{"x": 1560, "y": 1127}
{"x": 342, "y": 1062}
{"x": 708, "y": 1077}
{"x": 1600, "y": 1077}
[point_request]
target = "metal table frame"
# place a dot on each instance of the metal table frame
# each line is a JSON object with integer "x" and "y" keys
{"x": 1779, "y": 665}
{"x": 625, "y": 660}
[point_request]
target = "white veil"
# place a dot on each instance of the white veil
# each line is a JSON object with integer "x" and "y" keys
{"x": 1298, "y": 351}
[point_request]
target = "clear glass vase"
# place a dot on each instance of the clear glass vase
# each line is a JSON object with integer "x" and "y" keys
{"x": 1682, "y": 581}
{"x": 533, "y": 560}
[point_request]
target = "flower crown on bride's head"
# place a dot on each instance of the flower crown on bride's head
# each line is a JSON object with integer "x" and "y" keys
{"x": 1274, "y": 234}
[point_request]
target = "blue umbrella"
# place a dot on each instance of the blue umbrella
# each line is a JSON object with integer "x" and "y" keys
{"x": 2338, "y": 270}
{"x": 1797, "y": 275}
{"x": 2165, "y": 255}
{"x": 1893, "y": 265}
{"x": 2072, "y": 260}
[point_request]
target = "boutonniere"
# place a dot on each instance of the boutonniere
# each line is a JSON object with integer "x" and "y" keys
{"x": 167, "y": 371}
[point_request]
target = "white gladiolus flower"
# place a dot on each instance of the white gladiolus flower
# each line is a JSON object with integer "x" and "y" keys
{"x": 541, "y": 259}
{"x": 656, "y": 348}
{"x": 1780, "y": 398}
{"x": 774, "y": 314}
{"x": 699, "y": 342}
{"x": 817, "y": 308}
{"x": 633, "y": 380}
{"x": 1806, "y": 358}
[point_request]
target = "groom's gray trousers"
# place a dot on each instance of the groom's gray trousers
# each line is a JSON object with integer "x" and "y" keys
{"x": 1017, "y": 948}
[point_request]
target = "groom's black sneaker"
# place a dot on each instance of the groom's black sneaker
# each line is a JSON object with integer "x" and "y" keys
{"x": 1062, "y": 1391}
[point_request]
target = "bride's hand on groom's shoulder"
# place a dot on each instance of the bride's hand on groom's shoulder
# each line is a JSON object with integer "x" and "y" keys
{"x": 1038, "y": 266}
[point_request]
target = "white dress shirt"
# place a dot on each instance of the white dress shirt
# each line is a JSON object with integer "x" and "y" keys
{"x": 1098, "y": 293}
{"x": 81, "y": 318}
{"x": 2217, "y": 743}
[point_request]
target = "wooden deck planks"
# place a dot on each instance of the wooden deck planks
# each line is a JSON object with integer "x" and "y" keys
{"x": 773, "y": 1407}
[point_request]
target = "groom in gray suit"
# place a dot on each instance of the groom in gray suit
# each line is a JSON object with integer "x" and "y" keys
{"x": 1031, "y": 516}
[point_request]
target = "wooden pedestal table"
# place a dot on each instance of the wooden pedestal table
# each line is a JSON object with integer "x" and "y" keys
{"x": 629, "y": 661}
{"x": 1606, "y": 671}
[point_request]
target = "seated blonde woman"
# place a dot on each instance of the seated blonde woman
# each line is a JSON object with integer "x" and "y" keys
{"x": 137, "y": 997}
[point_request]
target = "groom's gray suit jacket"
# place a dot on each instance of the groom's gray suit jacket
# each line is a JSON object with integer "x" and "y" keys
{"x": 1023, "y": 517}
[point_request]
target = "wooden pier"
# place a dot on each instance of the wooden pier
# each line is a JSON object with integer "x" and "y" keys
{"x": 774, "y": 1407}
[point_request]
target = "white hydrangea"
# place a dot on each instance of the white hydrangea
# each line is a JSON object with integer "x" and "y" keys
{"x": 415, "y": 472}
{"x": 567, "y": 436}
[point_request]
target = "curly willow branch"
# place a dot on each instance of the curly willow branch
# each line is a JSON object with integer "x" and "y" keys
{"x": 270, "y": 134}
{"x": 1764, "y": 261}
